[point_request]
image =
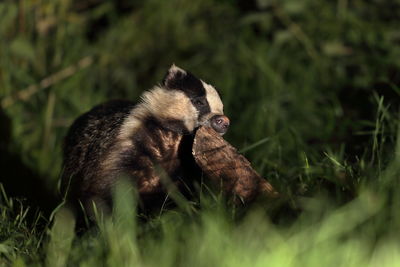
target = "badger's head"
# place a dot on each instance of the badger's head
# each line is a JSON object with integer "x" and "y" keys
{"x": 183, "y": 102}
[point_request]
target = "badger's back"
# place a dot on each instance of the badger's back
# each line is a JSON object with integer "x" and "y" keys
{"x": 89, "y": 139}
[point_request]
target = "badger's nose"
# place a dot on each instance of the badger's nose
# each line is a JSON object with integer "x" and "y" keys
{"x": 220, "y": 123}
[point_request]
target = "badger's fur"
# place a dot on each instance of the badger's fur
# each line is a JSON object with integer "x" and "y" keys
{"x": 119, "y": 138}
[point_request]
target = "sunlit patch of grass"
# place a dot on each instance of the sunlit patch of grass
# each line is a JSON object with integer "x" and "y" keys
{"x": 329, "y": 237}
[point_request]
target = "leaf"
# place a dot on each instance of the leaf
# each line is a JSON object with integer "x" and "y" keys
{"x": 8, "y": 14}
{"x": 4, "y": 249}
{"x": 336, "y": 49}
{"x": 283, "y": 36}
{"x": 294, "y": 7}
{"x": 20, "y": 47}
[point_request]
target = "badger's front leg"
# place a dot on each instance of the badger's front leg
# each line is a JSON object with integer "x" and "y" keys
{"x": 148, "y": 181}
{"x": 154, "y": 186}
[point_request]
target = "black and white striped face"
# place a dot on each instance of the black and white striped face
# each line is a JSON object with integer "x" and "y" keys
{"x": 196, "y": 102}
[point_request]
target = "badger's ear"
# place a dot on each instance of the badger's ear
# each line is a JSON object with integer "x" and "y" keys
{"x": 174, "y": 77}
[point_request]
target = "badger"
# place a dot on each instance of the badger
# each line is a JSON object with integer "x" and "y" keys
{"x": 122, "y": 139}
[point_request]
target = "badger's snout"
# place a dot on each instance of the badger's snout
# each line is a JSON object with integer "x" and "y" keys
{"x": 220, "y": 123}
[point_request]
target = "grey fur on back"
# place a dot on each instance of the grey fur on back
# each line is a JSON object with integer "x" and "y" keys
{"x": 88, "y": 140}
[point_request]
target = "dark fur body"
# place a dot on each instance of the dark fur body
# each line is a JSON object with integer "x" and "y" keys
{"x": 92, "y": 138}
{"x": 123, "y": 139}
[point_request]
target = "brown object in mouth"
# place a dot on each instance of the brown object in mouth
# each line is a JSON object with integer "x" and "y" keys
{"x": 221, "y": 162}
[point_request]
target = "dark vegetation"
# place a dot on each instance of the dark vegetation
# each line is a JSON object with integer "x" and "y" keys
{"x": 311, "y": 89}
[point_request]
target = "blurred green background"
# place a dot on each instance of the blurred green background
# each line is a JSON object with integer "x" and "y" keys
{"x": 311, "y": 87}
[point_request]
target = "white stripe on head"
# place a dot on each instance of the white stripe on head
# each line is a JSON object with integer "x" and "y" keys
{"x": 213, "y": 99}
{"x": 170, "y": 105}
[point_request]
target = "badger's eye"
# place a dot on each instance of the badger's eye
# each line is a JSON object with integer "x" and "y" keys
{"x": 199, "y": 102}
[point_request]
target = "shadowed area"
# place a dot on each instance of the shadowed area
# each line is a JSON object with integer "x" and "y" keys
{"x": 18, "y": 179}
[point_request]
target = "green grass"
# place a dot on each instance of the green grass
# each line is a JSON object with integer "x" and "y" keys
{"x": 312, "y": 91}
